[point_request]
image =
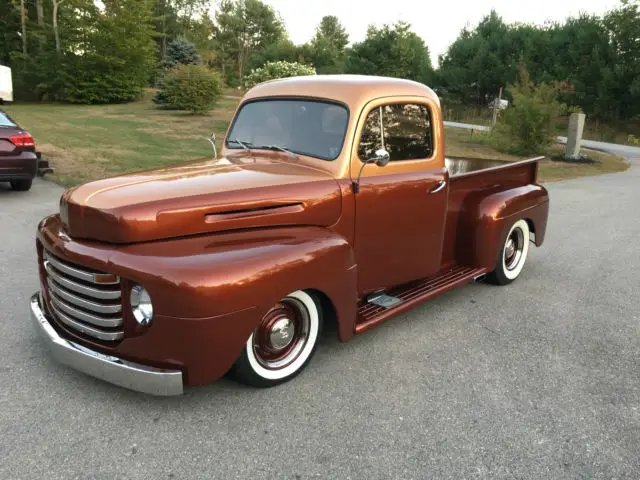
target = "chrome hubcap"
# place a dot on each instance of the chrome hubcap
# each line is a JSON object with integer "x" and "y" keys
{"x": 513, "y": 249}
{"x": 281, "y": 334}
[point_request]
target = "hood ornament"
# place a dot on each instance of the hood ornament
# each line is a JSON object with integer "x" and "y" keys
{"x": 212, "y": 140}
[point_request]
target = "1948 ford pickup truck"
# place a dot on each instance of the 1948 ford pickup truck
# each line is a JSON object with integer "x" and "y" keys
{"x": 331, "y": 200}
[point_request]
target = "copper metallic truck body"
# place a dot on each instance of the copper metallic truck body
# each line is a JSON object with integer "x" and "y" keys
{"x": 219, "y": 244}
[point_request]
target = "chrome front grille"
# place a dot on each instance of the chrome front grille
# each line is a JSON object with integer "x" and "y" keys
{"x": 84, "y": 300}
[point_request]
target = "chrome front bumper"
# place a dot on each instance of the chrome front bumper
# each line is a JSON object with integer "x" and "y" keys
{"x": 154, "y": 381}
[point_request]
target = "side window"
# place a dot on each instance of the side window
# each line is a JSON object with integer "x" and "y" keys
{"x": 407, "y": 132}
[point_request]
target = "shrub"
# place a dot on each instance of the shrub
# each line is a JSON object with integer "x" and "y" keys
{"x": 191, "y": 87}
{"x": 276, "y": 70}
{"x": 529, "y": 125}
{"x": 97, "y": 80}
{"x": 160, "y": 96}
{"x": 179, "y": 51}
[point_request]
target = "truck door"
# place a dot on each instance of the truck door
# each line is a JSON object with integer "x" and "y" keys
{"x": 400, "y": 207}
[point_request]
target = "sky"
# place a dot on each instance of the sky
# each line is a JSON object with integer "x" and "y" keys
{"x": 438, "y": 23}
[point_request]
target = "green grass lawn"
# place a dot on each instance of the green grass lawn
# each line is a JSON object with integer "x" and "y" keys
{"x": 86, "y": 143}
{"x": 89, "y": 142}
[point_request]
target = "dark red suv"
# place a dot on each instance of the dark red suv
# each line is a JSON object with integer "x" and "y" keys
{"x": 18, "y": 159}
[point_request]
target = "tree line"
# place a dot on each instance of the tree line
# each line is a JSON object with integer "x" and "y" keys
{"x": 84, "y": 51}
{"x": 594, "y": 61}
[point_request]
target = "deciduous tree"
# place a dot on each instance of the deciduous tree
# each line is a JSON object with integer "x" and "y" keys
{"x": 23, "y": 22}
{"x": 327, "y": 47}
{"x": 623, "y": 24}
{"x": 10, "y": 28}
{"x": 40, "y": 13}
{"x": 241, "y": 28}
{"x": 118, "y": 56}
{"x": 56, "y": 32}
{"x": 393, "y": 51}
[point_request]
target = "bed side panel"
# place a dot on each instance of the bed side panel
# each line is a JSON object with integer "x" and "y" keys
{"x": 464, "y": 194}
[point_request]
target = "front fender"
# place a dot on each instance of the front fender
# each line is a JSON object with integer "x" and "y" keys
{"x": 489, "y": 215}
{"x": 212, "y": 275}
{"x": 218, "y": 274}
{"x": 210, "y": 292}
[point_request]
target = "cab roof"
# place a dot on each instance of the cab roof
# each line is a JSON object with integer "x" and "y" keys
{"x": 353, "y": 90}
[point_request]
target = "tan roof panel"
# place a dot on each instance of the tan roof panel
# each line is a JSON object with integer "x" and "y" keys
{"x": 353, "y": 90}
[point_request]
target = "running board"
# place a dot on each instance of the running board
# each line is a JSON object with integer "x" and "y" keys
{"x": 383, "y": 300}
{"x": 380, "y": 307}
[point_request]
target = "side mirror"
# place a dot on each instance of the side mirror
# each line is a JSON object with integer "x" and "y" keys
{"x": 381, "y": 158}
{"x": 212, "y": 140}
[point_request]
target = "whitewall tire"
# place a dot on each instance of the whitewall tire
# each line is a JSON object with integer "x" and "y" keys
{"x": 283, "y": 343}
{"x": 513, "y": 254}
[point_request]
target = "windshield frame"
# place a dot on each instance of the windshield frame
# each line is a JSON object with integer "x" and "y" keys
{"x": 291, "y": 97}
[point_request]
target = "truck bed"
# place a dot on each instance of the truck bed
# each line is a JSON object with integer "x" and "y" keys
{"x": 458, "y": 166}
{"x": 471, "y": 178}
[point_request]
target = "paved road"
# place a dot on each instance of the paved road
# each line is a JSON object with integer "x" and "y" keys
{"x": 536, "y": 380}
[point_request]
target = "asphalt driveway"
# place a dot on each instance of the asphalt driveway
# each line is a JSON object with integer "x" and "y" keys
{"x": 536, "y": 380}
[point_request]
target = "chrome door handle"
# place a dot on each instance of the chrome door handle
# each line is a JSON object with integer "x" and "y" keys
{"x": 441, "y": 184}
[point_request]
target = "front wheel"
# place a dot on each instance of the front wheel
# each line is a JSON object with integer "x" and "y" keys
{"x": 284, "y": 342}
{"x": 513, "y": 254}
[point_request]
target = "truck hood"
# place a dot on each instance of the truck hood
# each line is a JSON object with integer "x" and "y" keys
{"x": 201, "y": 197}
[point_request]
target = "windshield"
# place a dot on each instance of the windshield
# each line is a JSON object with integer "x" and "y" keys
{"x": 306, "y": 127}
{"x": 5, "y": 121}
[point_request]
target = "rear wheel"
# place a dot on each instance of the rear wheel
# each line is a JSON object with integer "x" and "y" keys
{"x": 284, "y": 342}
{"x": 513, "y": 254}
{"x": 21, "y": 185}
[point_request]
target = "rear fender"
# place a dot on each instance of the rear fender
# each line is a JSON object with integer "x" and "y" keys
{"x": 488, "y": 215}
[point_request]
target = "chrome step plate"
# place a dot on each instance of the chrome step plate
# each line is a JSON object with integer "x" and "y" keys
{"x": 383, "y": 300}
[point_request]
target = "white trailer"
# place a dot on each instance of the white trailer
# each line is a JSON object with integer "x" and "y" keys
{"x": 6, "y": 84}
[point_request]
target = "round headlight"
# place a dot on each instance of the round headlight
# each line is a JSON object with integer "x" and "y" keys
{"x": 141, "y": 305}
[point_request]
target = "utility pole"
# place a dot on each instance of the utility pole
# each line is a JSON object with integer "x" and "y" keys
{"x": 496, "y": 105}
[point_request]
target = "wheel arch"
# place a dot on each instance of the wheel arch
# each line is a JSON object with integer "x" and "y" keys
{"x": 329, "y": 311}
{"x": 532, "y": 226}
{"x": 329, "y": 274}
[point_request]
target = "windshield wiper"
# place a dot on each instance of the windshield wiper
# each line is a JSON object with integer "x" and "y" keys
{"x": 248, "y": 145}
{"x": 244, "y": 145}
{"x": 279, "y": 148}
